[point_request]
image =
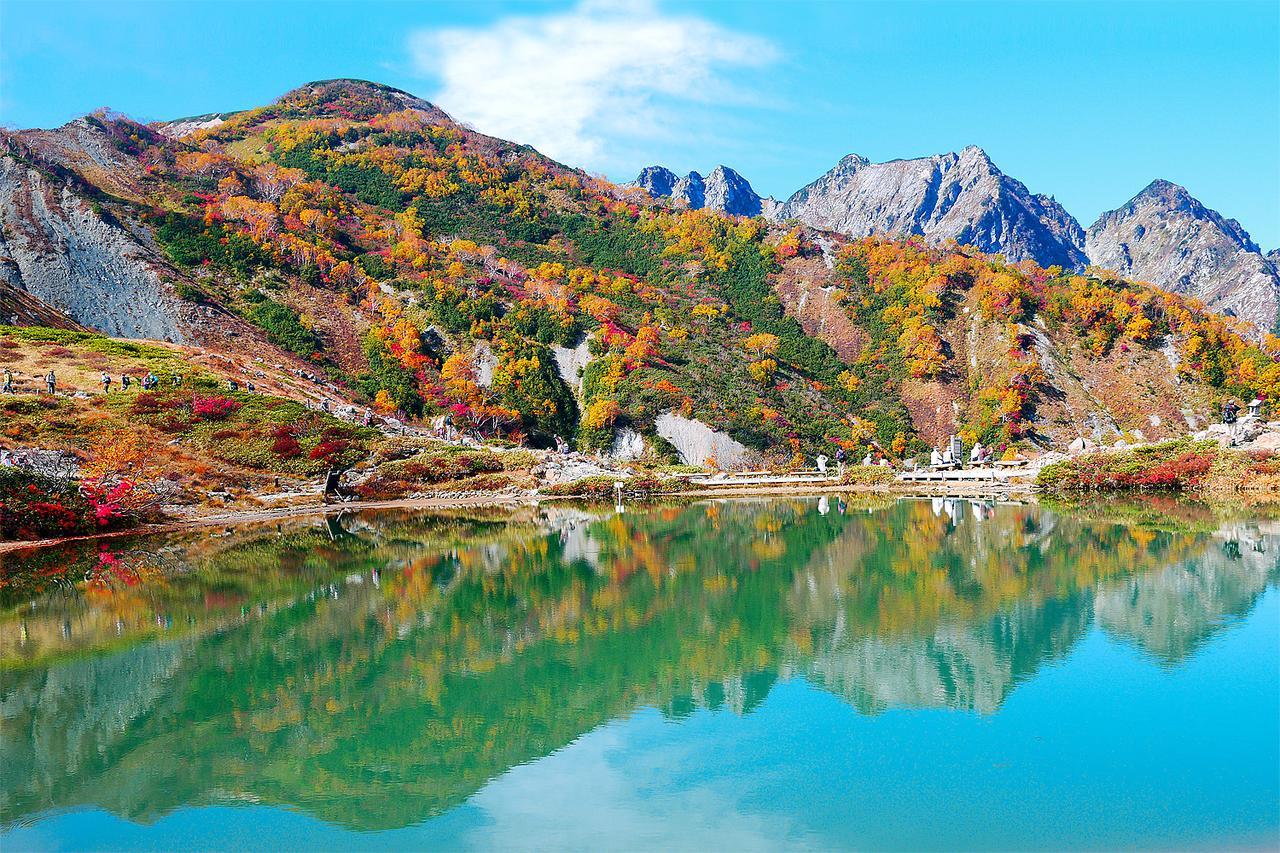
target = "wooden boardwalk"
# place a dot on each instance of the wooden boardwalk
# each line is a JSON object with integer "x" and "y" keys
{"x": 739, "y": 479}
{"x": 988, "y": 473}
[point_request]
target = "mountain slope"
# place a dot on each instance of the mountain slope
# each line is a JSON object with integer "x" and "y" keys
{"x": 429, "y": 269}
{"x": 961, "y": 197}
{"x": 1165, "y": 236}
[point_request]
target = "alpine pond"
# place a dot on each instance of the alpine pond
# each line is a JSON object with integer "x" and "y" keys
{"x": 798, "y": 673}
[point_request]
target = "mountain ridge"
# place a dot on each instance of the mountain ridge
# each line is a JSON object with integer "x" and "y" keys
{"x": 963, "y": 196}
{"x": 427, "y": 268}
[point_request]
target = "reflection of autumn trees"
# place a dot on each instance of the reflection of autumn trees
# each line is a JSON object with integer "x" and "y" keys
{"x": 382, "y": 668}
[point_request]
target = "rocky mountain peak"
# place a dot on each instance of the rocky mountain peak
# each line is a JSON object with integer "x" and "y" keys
{"x": 724, "y": 189}
{"x": 728, "y": 191}
{"x": 852, "y": 162}
{"x": 657, "y": 181}
{"x": 974, "y": 154}
{"x": 958, "y": 195}
{"x": 1166, "y": 236}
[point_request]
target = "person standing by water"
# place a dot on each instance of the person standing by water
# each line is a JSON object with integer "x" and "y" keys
{"x": 839, "y": 461}
{"x": 822, "y": 464}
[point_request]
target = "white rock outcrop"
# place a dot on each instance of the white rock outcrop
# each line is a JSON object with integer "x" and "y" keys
{"x": 627, "y": 445}
{"x": 697, "y": 442}
{"x": 571, "y": 362}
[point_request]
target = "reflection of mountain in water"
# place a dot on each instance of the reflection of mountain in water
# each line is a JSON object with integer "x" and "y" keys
{"x": 973, "y": 667}
{"x": 381, "y": 671}
{"x": 1174, "y": 611}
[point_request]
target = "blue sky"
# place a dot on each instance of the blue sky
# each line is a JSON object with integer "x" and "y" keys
{"x": 1086, "y": 101}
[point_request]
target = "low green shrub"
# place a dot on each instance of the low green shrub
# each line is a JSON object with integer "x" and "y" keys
{"x": 867, "y": 475}
{"x": 602, "y": 487}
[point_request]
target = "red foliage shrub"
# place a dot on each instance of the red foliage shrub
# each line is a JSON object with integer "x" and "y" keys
{"x": 286, "y": 446}
{"x": 174, "y": 423}
{"x": 33, "y": 506}
{"x": 328, "y": 449}
{"x": 1181, "y": 472}
{"x": 150, "y": 403}
{"x": 214, "y": 408}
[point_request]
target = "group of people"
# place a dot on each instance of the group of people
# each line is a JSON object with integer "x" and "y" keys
{"x": 946, "y": 456}
{"x": 149, "y": 382}
{"x": 871, "y": 458}
{"x": 7, "y": 387}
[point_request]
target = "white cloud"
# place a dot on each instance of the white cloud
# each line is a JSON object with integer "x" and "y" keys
{"x": 571, "y": 83}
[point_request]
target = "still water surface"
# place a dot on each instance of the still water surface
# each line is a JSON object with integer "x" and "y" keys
{"x": 724, "y": 675}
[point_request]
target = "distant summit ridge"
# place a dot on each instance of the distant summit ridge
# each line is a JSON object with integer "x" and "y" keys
{"x": 1163, "y": 235}
{"x": 724, "y": 190}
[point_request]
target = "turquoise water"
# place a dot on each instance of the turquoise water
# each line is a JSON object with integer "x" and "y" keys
{"x": 730, "y": 675}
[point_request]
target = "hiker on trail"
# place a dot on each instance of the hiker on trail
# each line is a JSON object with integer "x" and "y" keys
{"x": 249, "y": 387}
{"x": 177, "y": 380}
{"x": 822, "y": 464}
{"x": 1230, "y": 414}
{"x": 150, "y": 381}
{"x": 106, "y": 382}
{"x": 233, "y": 385}
{"x": 839, "y": 461}
{"x": 125, "y": 381}
{"x": 51, "y": 382}
{"x": 8, "y": 381}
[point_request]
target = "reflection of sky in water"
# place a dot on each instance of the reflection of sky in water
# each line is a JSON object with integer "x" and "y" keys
{"x": 919, "y": 675}
{"x": 1102, "y": 749}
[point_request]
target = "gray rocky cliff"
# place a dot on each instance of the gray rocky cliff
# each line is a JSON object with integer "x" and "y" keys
{"x": 1168, "y": 238}
{"x": 65, "y": 252}
{"x": 961, "y": 197}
